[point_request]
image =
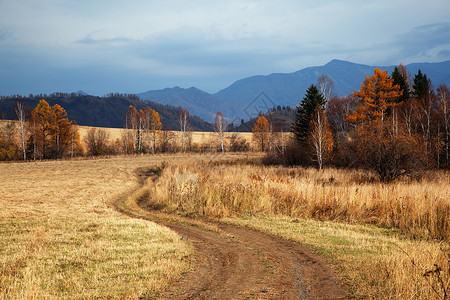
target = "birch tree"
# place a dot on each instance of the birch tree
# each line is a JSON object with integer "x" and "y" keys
{"x": 220, "y": 126}
{"x": 20, "y": 110}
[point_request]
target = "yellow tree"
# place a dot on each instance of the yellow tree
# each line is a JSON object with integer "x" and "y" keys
{"x": 153, "y": 127}
{"x": 45, "y": 118}
{"x": 61, "y": 129}
{"x": 261, "y": 132}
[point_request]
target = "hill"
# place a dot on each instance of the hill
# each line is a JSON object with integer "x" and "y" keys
{"x": 101, "y": 111}
{"x": 198, "y": 102}
{"x": 281, "y": 118}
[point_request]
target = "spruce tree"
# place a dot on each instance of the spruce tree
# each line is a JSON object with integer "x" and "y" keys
{"x": 305, "y": 109}
{"x": 400, "y": 80}
{"x": 420, "y": 84}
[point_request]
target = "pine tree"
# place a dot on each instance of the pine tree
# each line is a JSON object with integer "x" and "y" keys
{"x": 305, "y": 110}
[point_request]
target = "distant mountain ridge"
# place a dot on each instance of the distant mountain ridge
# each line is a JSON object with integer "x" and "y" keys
{"x": 282, "y": 88}
{"x": 106, "y": 111}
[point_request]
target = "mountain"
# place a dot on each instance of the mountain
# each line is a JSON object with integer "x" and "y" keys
{"x": 246, "y": 98}
{"x": 196, "y": 101}
{"x": 289, "y": 88}
{"x": 101, "y": 111}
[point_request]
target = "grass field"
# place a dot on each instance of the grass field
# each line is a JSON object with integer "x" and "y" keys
{"x": 61, "y": 238}
{"x": 389, "y": 241}
{"x": 198, "y": 137}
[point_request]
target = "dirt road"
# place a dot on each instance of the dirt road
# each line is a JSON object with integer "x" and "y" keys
{"x": 240, "y": 263}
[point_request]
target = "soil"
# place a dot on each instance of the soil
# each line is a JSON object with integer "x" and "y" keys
{"x": 241, "y": 263}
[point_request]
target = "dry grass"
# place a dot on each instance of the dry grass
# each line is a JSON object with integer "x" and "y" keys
{"x": 387, "y": 263}
{"x": 198, "y": 137}
{"x": 61, "y": 238}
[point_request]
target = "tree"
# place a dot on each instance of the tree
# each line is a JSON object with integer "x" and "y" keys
{"x": 183, "y": 121}
{"x": 420, "y": 85}
{"x": 61, "y": 130}
{"x": 402, "y": 82}
{"x": 220, "y": 126}
{"x": 154, "y": 127}
{"x": 320, "y": 137}
{"x": 325, "y": 86}
{"x": 97, "y": 141}
{"x": 379, "y": 141}
{"x": 131, "y": 124}
{"x": 45, "y": 118}
{"x": 305, "y": 110}
{"x": 443, "y": 95}
{"x": 261, "y": 132}
{"x": 20, "y": 110}
{"x": 377, "y": 94}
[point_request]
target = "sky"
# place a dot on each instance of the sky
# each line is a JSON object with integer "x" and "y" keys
{"x": 132, "y": 46}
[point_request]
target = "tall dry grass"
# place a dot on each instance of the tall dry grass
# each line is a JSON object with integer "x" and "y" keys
{"x": 419, "y": 208}
{"x": 407, "y": 256}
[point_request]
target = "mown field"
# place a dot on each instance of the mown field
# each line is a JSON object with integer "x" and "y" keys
{"x": 60, "y": 236}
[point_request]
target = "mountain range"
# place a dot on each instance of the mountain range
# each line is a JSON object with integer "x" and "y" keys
{"x": 246, "y": 97}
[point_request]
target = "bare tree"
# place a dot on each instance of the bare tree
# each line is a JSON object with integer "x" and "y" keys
{"x": 20, "y": 110}
{"x": 325, "y": 86}
{"x": 444, "y": 114}
{"x": 320, "y": 137}
{"x": 220, "y": 126}
{"x": 97, "y": 141}
{"x": 183, "y": 121}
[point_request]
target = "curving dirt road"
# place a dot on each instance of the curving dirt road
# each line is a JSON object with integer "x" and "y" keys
{"x": 240, "y": 263}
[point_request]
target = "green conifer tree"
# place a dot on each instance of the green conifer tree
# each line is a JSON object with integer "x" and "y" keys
{"x": 420, "y": 85}
{"x": 400, "y": 80}
{"x": 305, "y": 109}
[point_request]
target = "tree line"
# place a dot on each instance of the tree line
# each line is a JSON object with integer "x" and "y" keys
{"x": 394, "y": 125}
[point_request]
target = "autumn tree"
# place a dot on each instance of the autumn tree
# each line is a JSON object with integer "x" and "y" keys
{"x": 305, "y": 110}
{"x": 377, "y": 94}
{"x": 320, "y": 137}
{"x": 380, "y": 142}
{"x": 220, "y": 126}
{"x": 261, "y": 132}
{"x": 61, "y": 130}
{"x": 153, "y": 127}
{"x": 45, "y": 118}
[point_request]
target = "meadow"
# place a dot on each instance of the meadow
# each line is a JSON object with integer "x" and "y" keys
{"x": 61, "y": 237}
{"x": 389, "y": 241}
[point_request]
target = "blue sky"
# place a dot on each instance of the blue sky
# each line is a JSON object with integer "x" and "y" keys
{"x": 132, "y": 46}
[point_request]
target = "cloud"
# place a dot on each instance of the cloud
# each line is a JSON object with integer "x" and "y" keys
{"x": 89, "y": 40}
{"x": 431, "y": 40}
{"x": 5, "y": 33}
